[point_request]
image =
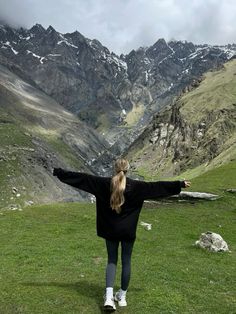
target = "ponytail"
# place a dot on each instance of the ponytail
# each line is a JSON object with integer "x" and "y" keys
{"x": 118, "y": 185}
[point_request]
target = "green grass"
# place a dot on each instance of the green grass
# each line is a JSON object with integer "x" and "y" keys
{"x": 13, "y": 139}
{"x": 66, "y": 153}
{"x": 217, "y": 91}
{"x": 53, "y": 262}
{"x": 12, "y": 134}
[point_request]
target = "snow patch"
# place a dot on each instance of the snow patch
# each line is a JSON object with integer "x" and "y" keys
{"x": 36, "y": 56}
{"x": 171, "y": 49}
{"x": 15, "y": 52}
{"x": 65, "y": 41}
{"x": 146, "y": 61}
{"x": 229, "y": 52}
{"x": 171, "y": 85}
{"x": 7, "y": 44}
{"x": 54, "y": 55}
{"x": 186, "y": 71}
{"x": 120, "y": 63}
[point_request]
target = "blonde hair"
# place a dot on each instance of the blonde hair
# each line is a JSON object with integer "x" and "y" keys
{"x": 118, "y": 184}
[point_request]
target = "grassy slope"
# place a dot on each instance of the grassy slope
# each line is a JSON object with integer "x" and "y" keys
{"x": 215, "y": 97}
{"x": 16, "y": 143}
{"x": 13, "y": 139}
{"x": 27, "y": 116}
{"x": 52, "y": 261}
{"x": 216, "y": 92}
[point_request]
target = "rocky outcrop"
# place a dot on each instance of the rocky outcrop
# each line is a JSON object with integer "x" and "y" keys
{"x": 198, "y": 195}
{"x": 182, "y": 137}
{"x": 213, "y": 242}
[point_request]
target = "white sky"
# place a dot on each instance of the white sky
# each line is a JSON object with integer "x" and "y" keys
{"x": 123, "y": 25}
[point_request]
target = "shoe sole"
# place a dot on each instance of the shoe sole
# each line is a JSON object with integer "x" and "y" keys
{"x": 109, "y": 308}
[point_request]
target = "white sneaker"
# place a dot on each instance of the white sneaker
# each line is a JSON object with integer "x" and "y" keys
{"x": 109, "y": 304}
{"x": 120, "y": 298}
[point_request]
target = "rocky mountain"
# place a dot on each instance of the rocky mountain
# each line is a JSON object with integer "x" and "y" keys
{"x": 156, "y": 105}
{"x": 37, "y": 134}
{"x": 116, "y": 95}
{"x": 195, "y": 134}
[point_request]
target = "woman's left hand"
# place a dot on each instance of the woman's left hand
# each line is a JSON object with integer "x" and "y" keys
{"x": 187, "y": 184}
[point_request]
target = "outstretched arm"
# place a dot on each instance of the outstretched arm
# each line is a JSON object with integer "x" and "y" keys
{"x": 152, "y": 190}
{"x": 79, "y": 180}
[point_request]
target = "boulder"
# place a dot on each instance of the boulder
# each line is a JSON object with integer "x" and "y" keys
{"x": 199, "y": 195}
{"x": 212, "y": 242}
{"x": 231, "y": 190}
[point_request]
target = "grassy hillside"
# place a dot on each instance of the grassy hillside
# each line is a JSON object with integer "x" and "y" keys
{"x": 52, "y": 261}
{"x": 37, "y": 134}
{"x": 197, "y": 134}
{"x": 216, "y": 92}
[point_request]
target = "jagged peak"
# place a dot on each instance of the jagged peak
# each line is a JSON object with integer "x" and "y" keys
{"x": 160, "y": 43}
{"x": 50, "y": 29}
{"x": 37, "y": 28}
{"x": 76, "y": 35}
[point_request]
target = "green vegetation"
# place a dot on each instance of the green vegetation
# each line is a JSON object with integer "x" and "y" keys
{"x": 64, "y": 151}
{"x": 13, "y": 134}
{"x": 53, "y": 262}
{"x": 204, "y": 134}
{"x": 135, "y": 114}
{"x": 217, "y": 91}
{"x": 13, "y": 141}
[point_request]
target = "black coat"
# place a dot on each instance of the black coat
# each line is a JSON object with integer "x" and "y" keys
{"x": 110, "y": 225}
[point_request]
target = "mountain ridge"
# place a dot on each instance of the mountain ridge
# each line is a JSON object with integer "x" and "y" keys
{"x": 117, "y": 91}
{"x": 78, "y": 105}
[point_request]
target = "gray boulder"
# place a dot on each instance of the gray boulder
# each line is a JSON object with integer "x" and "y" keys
{"x": 212, "y": 242}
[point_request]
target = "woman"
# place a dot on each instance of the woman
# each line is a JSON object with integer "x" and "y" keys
{"x": 118, "y": 203}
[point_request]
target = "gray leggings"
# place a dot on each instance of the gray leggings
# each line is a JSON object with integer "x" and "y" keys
{"x": 112, "y": 252}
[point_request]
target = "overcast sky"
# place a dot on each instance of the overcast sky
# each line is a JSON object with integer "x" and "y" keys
{"x": 123, "y": 25}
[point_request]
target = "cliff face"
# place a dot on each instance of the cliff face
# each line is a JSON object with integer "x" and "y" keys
{"x": 198, "y": 132}
{"x": 116, "y": 95}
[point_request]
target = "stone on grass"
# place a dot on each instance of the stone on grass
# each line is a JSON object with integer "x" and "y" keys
{"x": 29, "y": 203}
{"x": 231, "y": 190}
{"x": 14, "y": 207}
{"x": 146, "y": 225}
{"x": 199, "y": 195}
{"x": 212, "y": 242}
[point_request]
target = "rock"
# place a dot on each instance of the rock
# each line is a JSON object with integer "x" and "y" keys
{"x": 212, "y": 242}
{"x": 14, "y": 190}
{"x": 231, "y": 190}
{"x": 199, "y": 195}
{"x": 14, "y": 207}
{"x": 146, "y": 225}
{"x": 29, "y": 203}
